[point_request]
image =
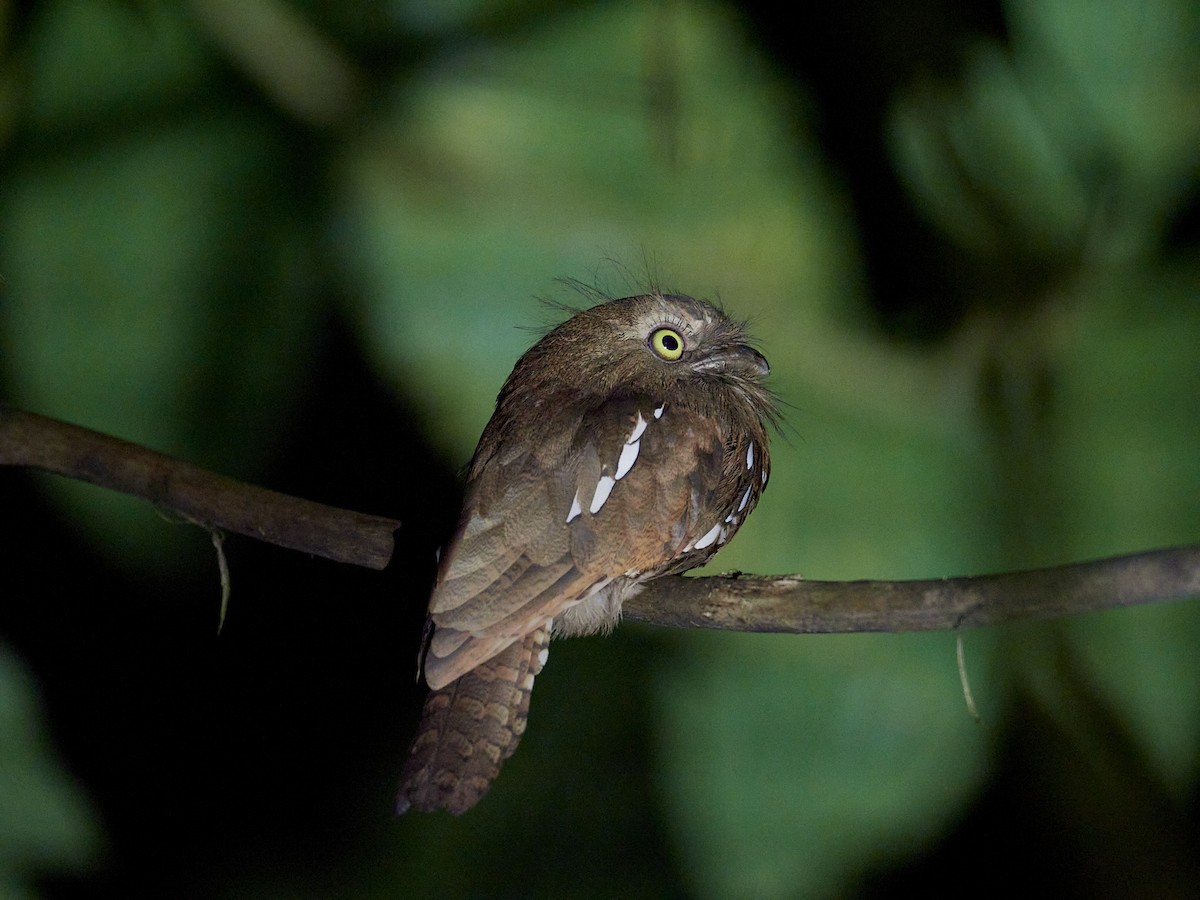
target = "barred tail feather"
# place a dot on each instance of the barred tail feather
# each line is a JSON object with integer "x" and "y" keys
{"x": 469, "y": 727}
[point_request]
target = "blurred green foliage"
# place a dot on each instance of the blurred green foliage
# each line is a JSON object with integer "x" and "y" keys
{"x": 45, "y": 824}
{"x": 174, "y": 237}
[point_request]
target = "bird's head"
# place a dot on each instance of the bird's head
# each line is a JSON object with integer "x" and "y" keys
{"x": 662, "y": 345}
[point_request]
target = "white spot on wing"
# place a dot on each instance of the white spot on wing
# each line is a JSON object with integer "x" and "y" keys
{"x": 629, "y": 454}
{"x": 576, "y": 509}
{"x": 709, "y": 538}
{"x": 603, "y": 488}
{"x": 528, "y": 683}
{"x": 745, "y": 500}
{"x": 659, "y": 411}
{"x": 637, "y": 429}
{"x": 543, "y": 655}
{"x": 764, "y": 476}
{"x": 750, "y": 455}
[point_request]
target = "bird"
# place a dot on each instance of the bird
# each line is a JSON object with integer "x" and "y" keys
{"x": 629, "y": 443}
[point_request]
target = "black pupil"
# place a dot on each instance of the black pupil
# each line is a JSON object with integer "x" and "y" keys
{"x": 670, "y": 342}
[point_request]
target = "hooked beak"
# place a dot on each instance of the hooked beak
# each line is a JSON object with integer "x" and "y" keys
{"x": 736, "y": 359}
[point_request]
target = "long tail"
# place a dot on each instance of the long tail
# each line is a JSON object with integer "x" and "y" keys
{"x": 469, "y": 728}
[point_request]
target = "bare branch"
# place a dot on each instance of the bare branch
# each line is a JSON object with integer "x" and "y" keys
{"x": 789, "y": 603}
{"x": 782, "y": 603}
{"x": 205, "y": 498}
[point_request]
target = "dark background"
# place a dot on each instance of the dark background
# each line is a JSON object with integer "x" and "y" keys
{"x": 289, "y": 241}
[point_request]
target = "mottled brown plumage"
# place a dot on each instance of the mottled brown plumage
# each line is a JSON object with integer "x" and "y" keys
{"x": 627, "y": 444}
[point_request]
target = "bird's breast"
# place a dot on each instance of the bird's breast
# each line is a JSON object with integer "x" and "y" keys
{"x": 598, "y": 614}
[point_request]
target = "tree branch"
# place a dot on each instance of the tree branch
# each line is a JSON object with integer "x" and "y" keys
{"x": 789, "y": 603}
{"x": 208, "y": 499}
{"x": 783, "y": 603}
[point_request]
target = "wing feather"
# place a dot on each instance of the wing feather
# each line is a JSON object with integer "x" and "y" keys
{"x": 517, "y": 561}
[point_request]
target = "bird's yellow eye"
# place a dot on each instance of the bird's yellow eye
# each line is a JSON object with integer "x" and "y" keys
{"x": 667, "y": 343}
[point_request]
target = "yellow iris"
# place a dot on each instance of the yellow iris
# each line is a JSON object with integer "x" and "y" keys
{"x": 667, "y": 343}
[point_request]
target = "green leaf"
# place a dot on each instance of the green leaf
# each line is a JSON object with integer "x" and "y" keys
{"x": 46, "y": 826}
{"x": 158, "y": 285}
{"x": 525, "y": 162}
{"x": 1127, "y": 458}
{"x": 790, "y": 763}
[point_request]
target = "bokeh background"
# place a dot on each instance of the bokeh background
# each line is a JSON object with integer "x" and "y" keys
{"x": 302, "y": 243}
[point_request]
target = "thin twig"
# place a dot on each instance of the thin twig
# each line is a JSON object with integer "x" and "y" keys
{"x": 218, "y": 541}
{"x": 960, "y": 658}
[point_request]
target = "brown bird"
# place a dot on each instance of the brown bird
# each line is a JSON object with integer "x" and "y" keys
{"x": 627, "y": 444}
